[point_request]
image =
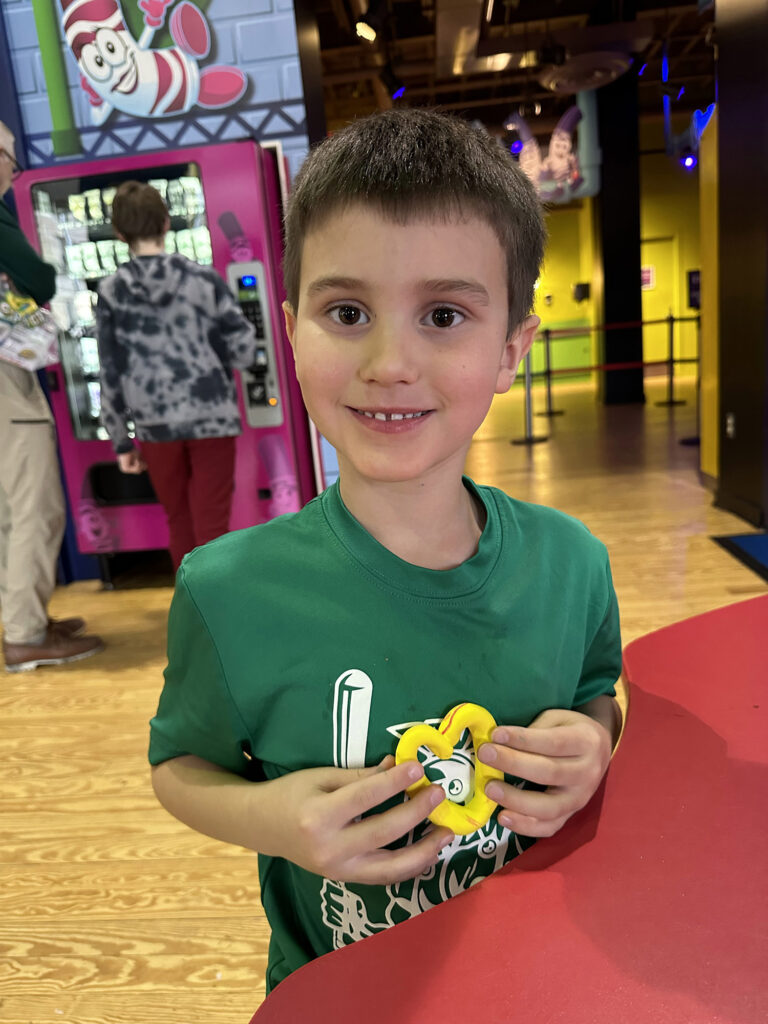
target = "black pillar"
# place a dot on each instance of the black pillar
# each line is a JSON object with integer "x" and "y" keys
{"x": 742, "y": 38}
{"x": 311, "y": 68}
{"x": 618, "y": 226}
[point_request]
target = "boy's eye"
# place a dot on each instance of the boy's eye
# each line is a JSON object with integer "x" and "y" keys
{"x": 349, "y": 316}
{"x": 444, "y": 316}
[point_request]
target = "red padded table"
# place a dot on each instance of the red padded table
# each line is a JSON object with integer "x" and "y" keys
{"x": 649, "y": 907}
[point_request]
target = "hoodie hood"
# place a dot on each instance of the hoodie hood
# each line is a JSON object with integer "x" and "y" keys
{"x": 154, "y": 279}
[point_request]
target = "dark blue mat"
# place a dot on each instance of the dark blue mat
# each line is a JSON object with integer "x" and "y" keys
{"x": 749, "y": 548}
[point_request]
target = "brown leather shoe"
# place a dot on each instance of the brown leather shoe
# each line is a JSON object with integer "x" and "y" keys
{"x": 58, "y": 648}
{"x": 72, "y": 626}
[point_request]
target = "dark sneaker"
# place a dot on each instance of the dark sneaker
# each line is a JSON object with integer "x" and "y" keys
{"x": 71, "y": 626}
{"x": 58, "y": 648}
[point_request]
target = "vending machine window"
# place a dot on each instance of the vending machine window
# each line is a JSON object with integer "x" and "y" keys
{"x": 73, "y": 219}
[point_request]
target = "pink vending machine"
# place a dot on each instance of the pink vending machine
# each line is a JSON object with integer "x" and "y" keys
{"x": 225, "y": 208}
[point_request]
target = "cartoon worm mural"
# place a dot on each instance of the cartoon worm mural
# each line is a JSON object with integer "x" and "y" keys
{"x": 119, "y": 72}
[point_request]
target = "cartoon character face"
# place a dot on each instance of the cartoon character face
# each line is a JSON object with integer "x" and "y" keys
{"x": 560, "y": 145}
{"x": 109, "y": 62}
{"x": 457, "y": 774}
{"x": 121, "y": 73}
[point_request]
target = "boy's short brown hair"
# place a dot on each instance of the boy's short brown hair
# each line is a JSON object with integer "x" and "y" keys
{"x": 410, "y": 164}
{"x": 138, "y": 212}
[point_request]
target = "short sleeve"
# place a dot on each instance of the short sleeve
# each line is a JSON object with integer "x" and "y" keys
{"x": 196, "y": 713}
{"x": 602, "y": 659}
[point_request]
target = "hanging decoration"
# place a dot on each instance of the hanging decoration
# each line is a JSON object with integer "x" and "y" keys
{"x": 557, "y": 176}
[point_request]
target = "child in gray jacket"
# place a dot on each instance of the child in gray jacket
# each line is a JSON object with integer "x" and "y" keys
{"x": 170, "y": 334}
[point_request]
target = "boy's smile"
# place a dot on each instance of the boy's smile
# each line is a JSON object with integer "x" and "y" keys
{"x": 401, "y": 340}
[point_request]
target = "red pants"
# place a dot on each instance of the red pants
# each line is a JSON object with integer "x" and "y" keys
{"x": 194, "y": 481}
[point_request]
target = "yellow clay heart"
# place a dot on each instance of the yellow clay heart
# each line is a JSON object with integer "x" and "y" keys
{"x": 462, "y": 819}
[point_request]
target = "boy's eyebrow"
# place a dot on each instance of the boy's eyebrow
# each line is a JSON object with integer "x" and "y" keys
{"x": 473, "y": 288}
{"x": 440, "y": 284}
{"x": 324, "y": 284}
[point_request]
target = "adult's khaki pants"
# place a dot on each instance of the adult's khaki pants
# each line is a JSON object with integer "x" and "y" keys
{"x": 32, "y": 516}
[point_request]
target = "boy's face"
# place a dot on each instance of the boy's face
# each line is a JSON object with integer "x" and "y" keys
{"x": 401, "y": 340}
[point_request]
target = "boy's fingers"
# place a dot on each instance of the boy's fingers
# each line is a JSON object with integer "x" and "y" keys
{"x": 549, "y": 736}
{"x": 382, "y": 829}
{"x": 546, "y": 771}
{"x": 386, "y": 867}
{"x": 372, "y": 787}
{"x": 530, "y": 803}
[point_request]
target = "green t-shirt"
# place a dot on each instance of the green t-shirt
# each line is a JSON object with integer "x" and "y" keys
{"x": 304, "y": 642}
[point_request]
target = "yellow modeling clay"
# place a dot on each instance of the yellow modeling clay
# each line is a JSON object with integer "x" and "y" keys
{"x": 459, "y": 818}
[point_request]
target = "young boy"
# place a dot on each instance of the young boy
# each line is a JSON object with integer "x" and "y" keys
{"x": 170, "y": 333}
{"x": 300, "y": 650}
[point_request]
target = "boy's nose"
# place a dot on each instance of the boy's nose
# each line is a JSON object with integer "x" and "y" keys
{"x": 389, "y": 356}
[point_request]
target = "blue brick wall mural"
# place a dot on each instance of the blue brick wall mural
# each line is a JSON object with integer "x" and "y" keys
{"x": 98, "y": 78}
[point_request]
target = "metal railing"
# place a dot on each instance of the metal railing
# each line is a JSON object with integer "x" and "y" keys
{"x": 546, "y": 338}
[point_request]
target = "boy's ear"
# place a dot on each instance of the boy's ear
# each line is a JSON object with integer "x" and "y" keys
{"x": 515, "y": 350}
{"x": 290, "y": 323}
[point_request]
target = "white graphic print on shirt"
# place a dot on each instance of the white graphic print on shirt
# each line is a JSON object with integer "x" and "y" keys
{"x": 345, "y": 911}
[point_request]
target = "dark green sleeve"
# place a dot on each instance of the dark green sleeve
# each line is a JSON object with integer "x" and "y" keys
{"x": 602, "y": 658}
{"x": 196, "y": 713}
{"x": 30, "y": 274}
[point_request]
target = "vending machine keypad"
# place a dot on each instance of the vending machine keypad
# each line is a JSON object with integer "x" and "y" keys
{"x": 261, "y": 389}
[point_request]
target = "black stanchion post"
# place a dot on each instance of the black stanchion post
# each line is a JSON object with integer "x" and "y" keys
{"x": 549, "y": 411}
{"x": 696, "y": 438}
{"x": 529, "y": 435}
{"x": 670, "y": 399}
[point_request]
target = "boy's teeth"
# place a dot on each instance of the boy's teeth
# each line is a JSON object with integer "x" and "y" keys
{"x": 391, "y": 415}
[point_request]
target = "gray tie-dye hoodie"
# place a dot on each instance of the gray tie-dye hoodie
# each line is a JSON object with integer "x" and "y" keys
{"x": 169, "y": 333}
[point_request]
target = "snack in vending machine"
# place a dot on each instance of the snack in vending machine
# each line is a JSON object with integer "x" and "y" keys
{"x": 184, "y": 243}
{"x": 89, "y": 355}
{"x": 193, "y": 195}
{"x": 74, "y": 260}
{"x": 107, "y": 195}
{"x": 93, "y": 205}
{"x": 76, "y": 204}
{"x": 202, "y": 242}
{"x": 122, "y": 251}
{"x": 106, "y": 250}
{"x": 175, "y": 201}
{"x": 90, "y": 256}
{"x": 94, "y": 398}
{"x": 84, "y": 300}
{"x": 161, "y": 184}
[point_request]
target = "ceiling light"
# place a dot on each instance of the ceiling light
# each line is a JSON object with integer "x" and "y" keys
{"x": 371, "y": 23}
{"x": 365, "y": 30}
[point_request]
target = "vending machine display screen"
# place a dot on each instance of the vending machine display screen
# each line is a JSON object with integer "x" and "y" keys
{"x": 73, "y": 217}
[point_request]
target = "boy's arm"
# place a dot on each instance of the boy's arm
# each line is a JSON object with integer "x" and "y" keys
{"x": 309, "y": 817}
{"x": 112, "y": 363}
{"x": 306, "y": 816}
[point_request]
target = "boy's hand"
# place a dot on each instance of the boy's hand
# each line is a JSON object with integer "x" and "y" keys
{"x": 320, "y": 830}
{"x": 131, "y": 462}
{"x": 566, "y": 751}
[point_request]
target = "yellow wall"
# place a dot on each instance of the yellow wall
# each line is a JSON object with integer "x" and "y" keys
{"x": 709, "y": 415}
{"x": 567, "y": 261}
{"x": 669, "y": 232}
{"x": 669, "y": 224}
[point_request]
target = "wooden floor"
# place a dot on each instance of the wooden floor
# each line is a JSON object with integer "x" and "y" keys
{"x": 111, "y": 912}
